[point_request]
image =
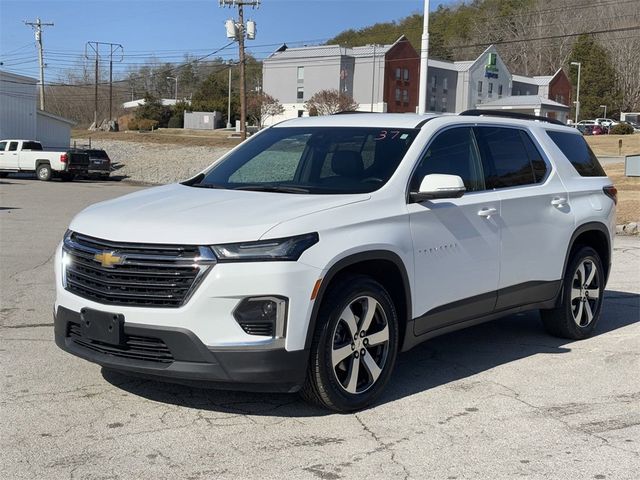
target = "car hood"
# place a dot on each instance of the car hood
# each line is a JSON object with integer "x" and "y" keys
{"x": 199, "y": 216}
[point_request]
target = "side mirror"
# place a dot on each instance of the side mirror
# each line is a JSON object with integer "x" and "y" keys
{"x": 437, "y": 185}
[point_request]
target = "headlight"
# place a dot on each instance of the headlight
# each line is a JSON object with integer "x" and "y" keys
{"x": 279, "y": 249}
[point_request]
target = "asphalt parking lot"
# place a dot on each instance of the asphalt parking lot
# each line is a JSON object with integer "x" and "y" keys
{"x": 500, "y": 401}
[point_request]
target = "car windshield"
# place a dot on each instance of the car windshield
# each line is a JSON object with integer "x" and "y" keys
{"x": 317, "y": 160}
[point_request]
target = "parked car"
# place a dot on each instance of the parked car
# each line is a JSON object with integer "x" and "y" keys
{"x": 99, "y": 163}
{"x": 308, "y": 257}
{"x": 29, "y": 156}
{"x": 590, "y": 127}
{"x": 606, "y": 122}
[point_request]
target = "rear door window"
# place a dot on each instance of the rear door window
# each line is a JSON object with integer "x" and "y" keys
{"x": 13, "y": 146}
{"x": 31, "y": 146}
{"x": 506, "y": 157}
{"x": 577, "y": 151}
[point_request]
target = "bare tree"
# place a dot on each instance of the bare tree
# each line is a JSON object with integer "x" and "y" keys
{"x": 328, "y": 102}
{"x": 263, "y": 106}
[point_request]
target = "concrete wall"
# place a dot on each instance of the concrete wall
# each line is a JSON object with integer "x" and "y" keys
{"x": 18, "y": 99}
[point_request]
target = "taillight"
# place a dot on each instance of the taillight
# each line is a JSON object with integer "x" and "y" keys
{"x": 64, "y": 158}
{"x": 611, "y": 192}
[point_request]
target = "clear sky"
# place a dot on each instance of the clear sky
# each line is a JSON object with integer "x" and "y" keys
{"x": 167, "y": 29}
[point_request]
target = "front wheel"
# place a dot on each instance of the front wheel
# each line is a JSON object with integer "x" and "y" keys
{"x": 354, "y": 346}
{"x": 583, "y": 288}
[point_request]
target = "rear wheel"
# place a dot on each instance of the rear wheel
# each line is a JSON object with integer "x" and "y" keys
{"x": 583, "y": 288}
{"x": 43, "y": 172}
{"x": 354, "y": 347}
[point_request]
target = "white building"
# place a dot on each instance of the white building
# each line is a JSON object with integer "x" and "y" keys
{"x": 20, "y": 117}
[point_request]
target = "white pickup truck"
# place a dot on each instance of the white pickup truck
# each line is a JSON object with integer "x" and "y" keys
{"x": 29, "y": 156}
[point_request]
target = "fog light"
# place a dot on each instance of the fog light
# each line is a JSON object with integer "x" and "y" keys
{"x": 263, "y": 316}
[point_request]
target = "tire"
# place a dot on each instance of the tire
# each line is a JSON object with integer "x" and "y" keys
{"x": 357, "y": 379}
{"x": 43, "y": 172}
{"x": 582, "y": 293}
{"x": 67, "y": 177}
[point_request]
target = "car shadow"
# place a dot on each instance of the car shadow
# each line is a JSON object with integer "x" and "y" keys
{"x": 439, "y": 361}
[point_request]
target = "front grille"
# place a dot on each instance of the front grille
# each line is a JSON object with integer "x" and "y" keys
{"x": 147, "y": 275}
{"x": 135, "y": 347}
{"x": 258, "y": 328}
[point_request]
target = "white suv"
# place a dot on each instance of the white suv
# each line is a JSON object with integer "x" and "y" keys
{"x": 310, "y": 255}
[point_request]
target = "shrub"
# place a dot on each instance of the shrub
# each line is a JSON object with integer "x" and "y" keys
{"x": 132, "y": 124}
{"x": 177, "y": 121}
{"x": 621, "y": 129}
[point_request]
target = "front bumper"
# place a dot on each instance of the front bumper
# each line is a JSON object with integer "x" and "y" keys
{"x": 188, "y": 360}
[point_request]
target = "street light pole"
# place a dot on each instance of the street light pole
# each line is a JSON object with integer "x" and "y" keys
{"x": 605, "y": 110}
{"x": 579, "y": 64}
{"x": 424, "y": 60}
{"x": 176, "y": 79}
{"x": 229, "y": 100}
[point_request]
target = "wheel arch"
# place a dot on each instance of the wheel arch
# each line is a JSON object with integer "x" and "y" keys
{"x": 385, "y": 267}
{"x": 596, "y": 236}
{"x": 42, "y": 161}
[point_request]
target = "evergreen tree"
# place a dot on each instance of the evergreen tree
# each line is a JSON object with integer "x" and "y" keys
{"x": 597, "y": 78}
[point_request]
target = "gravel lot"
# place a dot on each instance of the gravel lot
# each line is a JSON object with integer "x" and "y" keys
{"x": 500, "y": 401}
{"x": 154, "y": 162}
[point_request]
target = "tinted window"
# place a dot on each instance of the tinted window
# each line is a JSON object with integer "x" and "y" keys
{"x": 3, "y": 145}
{"x": 13, "y": 146}
{"x": 313, "y": 160}
{"x": 537, "y": 163}
{"x": 97, "y": 153}
{"x": 506, "y": 158}
{"x": 452, "y": 152}
{"x": 577, "y": 151}
{"x": 31, "y": 146}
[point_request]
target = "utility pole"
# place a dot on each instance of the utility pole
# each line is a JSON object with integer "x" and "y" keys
{"x": 114, "y": 48}
{"x": 424, "y": 60}
{"x": 176, "y": 79}
{"x": 238, "y": 31}
{"x": 37, "y": 27}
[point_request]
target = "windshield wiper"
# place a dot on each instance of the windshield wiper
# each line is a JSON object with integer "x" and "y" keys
{"x": 207, "y": 185}
{"x": 273, "y": 188}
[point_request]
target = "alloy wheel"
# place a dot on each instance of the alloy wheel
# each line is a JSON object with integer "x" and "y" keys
{"x": 585, "y": 293}
{"x": 360, "y": 345}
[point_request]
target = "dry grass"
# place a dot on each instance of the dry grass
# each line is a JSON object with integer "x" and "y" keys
{"x": 607, "y": 145}
{"x": 173, "y": 136}
{"x": 628, "y": 194}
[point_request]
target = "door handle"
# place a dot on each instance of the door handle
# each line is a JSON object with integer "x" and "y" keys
{"x": 559, "y": 202}
{"x": 487, "y": 212}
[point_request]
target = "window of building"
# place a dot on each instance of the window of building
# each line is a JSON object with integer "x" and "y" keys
{"x": 398, "y": 74}
{"x": 405, "y": 96}
{"x": 300, "y": 113}
{"x": 300, "y": 93}
{"x": 490, "y": 90}
{"x": 479, "y": 86}
{"x": 406, "y": 74}
{"x": 432, "y": 103}
{"x": 452, "y": 152}
{"x": 300, "y": 74}
{"x": 444, "y": 104}
{"x": 398, "y": 94}
{"x": 434, "y": 82}
{"x": 499, "y": 90}
{"x": 507, "y": 159}
{"x": 445, "y": 85}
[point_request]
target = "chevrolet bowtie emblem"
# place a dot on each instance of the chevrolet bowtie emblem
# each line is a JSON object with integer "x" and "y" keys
{"x": 108, "y": 259}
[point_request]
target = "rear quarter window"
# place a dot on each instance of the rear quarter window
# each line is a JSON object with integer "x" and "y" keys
{"x": 577, "y": 151}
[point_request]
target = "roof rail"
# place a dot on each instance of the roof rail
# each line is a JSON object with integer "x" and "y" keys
{"x": 507, "y": 114}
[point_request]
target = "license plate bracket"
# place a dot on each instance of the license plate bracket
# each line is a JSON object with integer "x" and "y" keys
{"x": 106, "y": 327}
